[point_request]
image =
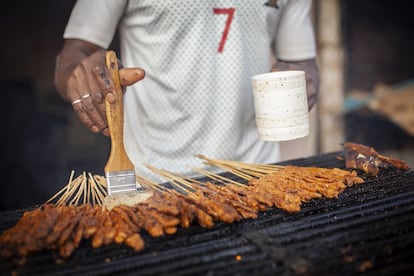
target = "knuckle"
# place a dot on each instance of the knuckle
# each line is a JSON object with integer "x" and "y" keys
{"x": 106, "y": 90}
{"x": 97, "y": 97}
{"x": 78, "y": 108}
{"x": 84, "y": 64}
{"x": 71, "y": 80}
{"x": 87, "y": 122}
{"x": 88, "y": 106}
{"x": 100, "y": 123}
{"x": 98, "y": 70}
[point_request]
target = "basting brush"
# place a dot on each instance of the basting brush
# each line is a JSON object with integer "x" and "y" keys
{"x": 119, "y": 170}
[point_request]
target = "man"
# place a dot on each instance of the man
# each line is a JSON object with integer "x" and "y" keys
{"x": 198, "y": 57}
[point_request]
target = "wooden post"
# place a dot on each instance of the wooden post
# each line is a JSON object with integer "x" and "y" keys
{"x": 331, "y": 66}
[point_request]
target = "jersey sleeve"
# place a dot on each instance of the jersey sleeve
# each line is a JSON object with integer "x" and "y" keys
{"x": 95, "y": 21}
{"x": 295, "y": 39}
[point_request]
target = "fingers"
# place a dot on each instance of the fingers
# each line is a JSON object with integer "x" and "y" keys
{"x": 90, "y": 86}
{"x": 311, "y": 75}
{"x": 87, "y": 111}
{"x": 104, "y": 82}
{"x": 86, "y": 97}
{"x": 311, "y": 101}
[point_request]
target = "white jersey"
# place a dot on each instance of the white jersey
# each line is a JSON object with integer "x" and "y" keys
{"x": 199, "y": 57}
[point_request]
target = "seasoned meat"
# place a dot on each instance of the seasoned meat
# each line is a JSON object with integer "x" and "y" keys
{"x": 368, "y": 160}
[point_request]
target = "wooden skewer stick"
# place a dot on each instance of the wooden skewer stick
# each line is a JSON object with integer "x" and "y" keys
{"x": 77, "y": 193}
{"x": 150, "y": 184}
{"x": 217, "y": 177}
{"x": 98, "y": 191}
{"x": 101, "y": 184}
{"x": 85, "y": 190}
{"x": 88, "y": 191}
{"x": 226, "y": 167}
{"x": 94, "y": 189}
{"x": 69, "y": 191}
{"x": 61, "y": 191}
{"x": 177, "y": 182}
{"x": 244, "y": 170}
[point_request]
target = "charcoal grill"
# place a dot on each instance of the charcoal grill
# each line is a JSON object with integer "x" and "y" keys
{"x": 368, "y": 229}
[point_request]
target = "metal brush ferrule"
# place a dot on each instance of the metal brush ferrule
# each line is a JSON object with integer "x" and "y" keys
{"x": 120, "y": 182}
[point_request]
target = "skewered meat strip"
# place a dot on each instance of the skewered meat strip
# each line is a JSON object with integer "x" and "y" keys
{"x": 117, "y": 225}
{"x": 237, "y": 202}
{"x": 102, "y": 222}
{"x": 66, "y": 215}
{"x": 133, "y": 217}
{"x": 189, "y": 211}
{"x": 66, "y": 233}
{"x": 155, "y": 223}
{"x": 135, "y": 242}
{"x": 66, "y": 239}
{"x": 203, "y": 218}
{"x": 211, "y": 204}
{"x": 79, "y": 232}
{"x": 82, "y": 228}
{"x": 368, "y": 160}
{"x": 92, "y": 222}
{"x": 186, "y": 215}
{"x": 316, "y": 181}
{"x": 122, "y": 224}
{"x": 286, "y": 200}
{"x": 66, "y": 249}
{"x": 263, "y": 200}
{"x": 120, "y": 212}
{"x": 165, "y": 220}
{"x": 249, "y": 201}
{"x": 159, "y": 203}
{"x": 225, "y": 212}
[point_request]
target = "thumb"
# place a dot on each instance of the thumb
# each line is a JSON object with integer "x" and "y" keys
{"x": 129, "y": 76}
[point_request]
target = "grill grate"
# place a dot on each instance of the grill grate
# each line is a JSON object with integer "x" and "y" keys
{"x": 368, "y": 228}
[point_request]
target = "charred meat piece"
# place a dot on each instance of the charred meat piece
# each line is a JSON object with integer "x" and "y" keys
{"x": 368, "y": 160}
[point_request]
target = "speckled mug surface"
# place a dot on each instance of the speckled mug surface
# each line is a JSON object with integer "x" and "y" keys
{"x": 281, "y": 105}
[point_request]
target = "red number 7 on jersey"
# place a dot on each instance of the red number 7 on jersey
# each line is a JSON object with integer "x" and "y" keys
{"x": 230, "y": 13}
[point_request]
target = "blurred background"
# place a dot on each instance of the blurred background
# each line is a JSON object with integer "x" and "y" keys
{"x": 366, "y": 93}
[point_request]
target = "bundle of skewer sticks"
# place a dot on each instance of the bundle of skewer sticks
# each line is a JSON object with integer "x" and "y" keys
{"x": 84, "y": 189}
{"x": 77, "y": 213}
{"x": 91, "y": 189}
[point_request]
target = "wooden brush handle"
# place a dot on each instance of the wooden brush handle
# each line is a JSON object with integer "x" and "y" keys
{"x": 118, "y": 158}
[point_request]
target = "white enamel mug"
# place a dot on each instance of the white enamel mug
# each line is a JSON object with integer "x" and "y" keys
{"x": 281, "y": 105}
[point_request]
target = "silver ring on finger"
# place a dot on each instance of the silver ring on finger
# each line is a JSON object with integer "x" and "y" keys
{"x": 76, "y": 101}
{"x": 86, "y": 96}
